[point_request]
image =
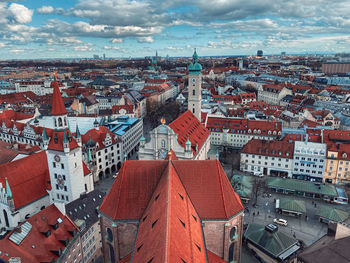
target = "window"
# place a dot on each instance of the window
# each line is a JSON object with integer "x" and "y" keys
{"x": 54, "y": 165}
{"x": 109, "y": 235}
{"x": 233, "y": 233}
{"x": 62, "y": 165}
{"x": 193, "y": 92}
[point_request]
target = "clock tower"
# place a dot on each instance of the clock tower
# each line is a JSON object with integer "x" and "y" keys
{"x": 195, "y": 87}
{"x": 68, "y": 176}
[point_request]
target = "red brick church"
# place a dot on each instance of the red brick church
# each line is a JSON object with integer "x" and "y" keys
{"x": 172, "y": 211}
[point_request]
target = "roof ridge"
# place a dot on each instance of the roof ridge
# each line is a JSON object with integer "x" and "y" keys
{"x": 221, "y": 188}
{"x": 167, "y": 212}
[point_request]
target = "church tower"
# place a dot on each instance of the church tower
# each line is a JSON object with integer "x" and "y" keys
{"x": 64, "y": 155}
{"x": 195, "y": 87}
{"x": 58, "y": 111}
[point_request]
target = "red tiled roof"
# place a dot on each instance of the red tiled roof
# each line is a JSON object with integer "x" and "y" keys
{"x": 98, "y": 136}
{"x": 127, "y": 108}
{"x": 308, "y": 123}
{"x": 137, "y": 181}
{"x": 242, "y": 126}
{"x": 170, "y": 229}
{"x": 58, "y": 107}
{"x": 342, "y": 149}
{"x": 28, "y": 178}
{"x": 280, "y": 149}
{"x": 86, "y": 169}
{"x": 15, "y": 116}
{"x": 188, "y": 127}
{"x": 9, "y": 151}
{"x": 58, "y": 145}
{"x": 36, "y": 247}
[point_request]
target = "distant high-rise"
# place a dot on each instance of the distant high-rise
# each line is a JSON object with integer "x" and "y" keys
{"x": 104, "y": 56}
{"x": 283, "y": 54}
{"x": 259, "y": 53}
{"x": 240, "y": 65}
{"x": 96, "y": 56}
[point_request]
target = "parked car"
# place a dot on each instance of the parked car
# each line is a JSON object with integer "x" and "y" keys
{"x": 258, "y": 174}
{"x": 280, "y": 221}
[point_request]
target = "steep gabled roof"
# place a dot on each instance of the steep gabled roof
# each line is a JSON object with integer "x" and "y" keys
{"x": 57, "y": 144}
{"x": 137, "y": 180}
{"x": 58, "y": 107}
{"x": 170, "y": 229}
{"x": 188, "y": 127}
{"x": 28, "y": 178}
{"x": 132, "y": 189}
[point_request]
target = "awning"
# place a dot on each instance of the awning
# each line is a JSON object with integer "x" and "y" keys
{"x": 289, "y": 251}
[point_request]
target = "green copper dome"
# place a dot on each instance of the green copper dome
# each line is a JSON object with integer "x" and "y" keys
{"x": 195, "y": 67}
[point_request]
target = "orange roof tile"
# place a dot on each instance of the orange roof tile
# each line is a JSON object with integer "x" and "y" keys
{"x": 137, "y": 181}
{"x": 170, "y": 229}
{"x": 188, "y": 127}
{"x": 28, "y": 178}
{"x": 36, "y": 247}
{"x": 58, "y": 107}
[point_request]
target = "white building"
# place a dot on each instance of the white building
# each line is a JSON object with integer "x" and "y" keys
{"x": 235, "y": 133}
{"x": 102, "y": 151}
{"x": 185, "y": 136}
{"x": 272, "y": 158}
{"x": 309, "y": 160}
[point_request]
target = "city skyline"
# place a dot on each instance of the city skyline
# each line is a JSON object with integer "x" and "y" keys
{"x": 36, "y": 29}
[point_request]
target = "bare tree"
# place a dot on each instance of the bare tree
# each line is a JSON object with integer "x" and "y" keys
{"x": 258, "y": 187}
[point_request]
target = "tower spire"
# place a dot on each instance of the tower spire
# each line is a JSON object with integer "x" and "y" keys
{"x": 8, "y": 190}
{"x": 58, "y": 107}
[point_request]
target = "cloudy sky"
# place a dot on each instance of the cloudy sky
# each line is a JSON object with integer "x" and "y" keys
{"x": 136, "y": 28}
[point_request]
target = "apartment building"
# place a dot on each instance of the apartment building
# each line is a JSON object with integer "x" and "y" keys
{"x": 337, "y": 170}
{"x": 272, "y": 158}
{"x": 236, "y": 133}
{"x": 273, "y": 94}
{"x": 309, "y": 160}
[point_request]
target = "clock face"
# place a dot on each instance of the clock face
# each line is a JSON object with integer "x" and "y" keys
{"x": 57, "y": 158}
{"x": 193, "y": 80}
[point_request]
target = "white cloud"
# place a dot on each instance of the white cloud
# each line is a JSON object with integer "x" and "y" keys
{"x": 83, "y": 48}
{"x": 111, "y": 48}
{"x": 46, "y": 9}
{"x": 145, "y": 39}
{"x": 21, "y": 13}
{"x": 17, "y": 50}
{"x": 2, "y": 44}
{"x": 117, "y": 40}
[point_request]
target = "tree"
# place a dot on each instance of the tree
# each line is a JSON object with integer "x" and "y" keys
{"x": 258, "y": 186}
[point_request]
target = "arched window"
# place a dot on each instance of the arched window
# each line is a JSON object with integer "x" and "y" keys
{"x": 193, "y": 92}
{"x": 231, "y": 252}
{"x": 233, "y": 232}
{"x": 55, "y": 123}
{"x": 163, "y": 143}
{"x": 59, "y": 122}
{"x": 65, "y": 121}
{"x": 109, "y": 234}
{"x": 193, "y": 110}
{"x": 111, "y": 253}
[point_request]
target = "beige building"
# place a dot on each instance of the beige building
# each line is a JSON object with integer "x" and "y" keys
{"x": 273, "y": 94}
{"x": 337, "y": 169}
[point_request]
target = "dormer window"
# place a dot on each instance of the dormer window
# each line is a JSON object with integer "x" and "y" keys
{"x": 345, "y": 155}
